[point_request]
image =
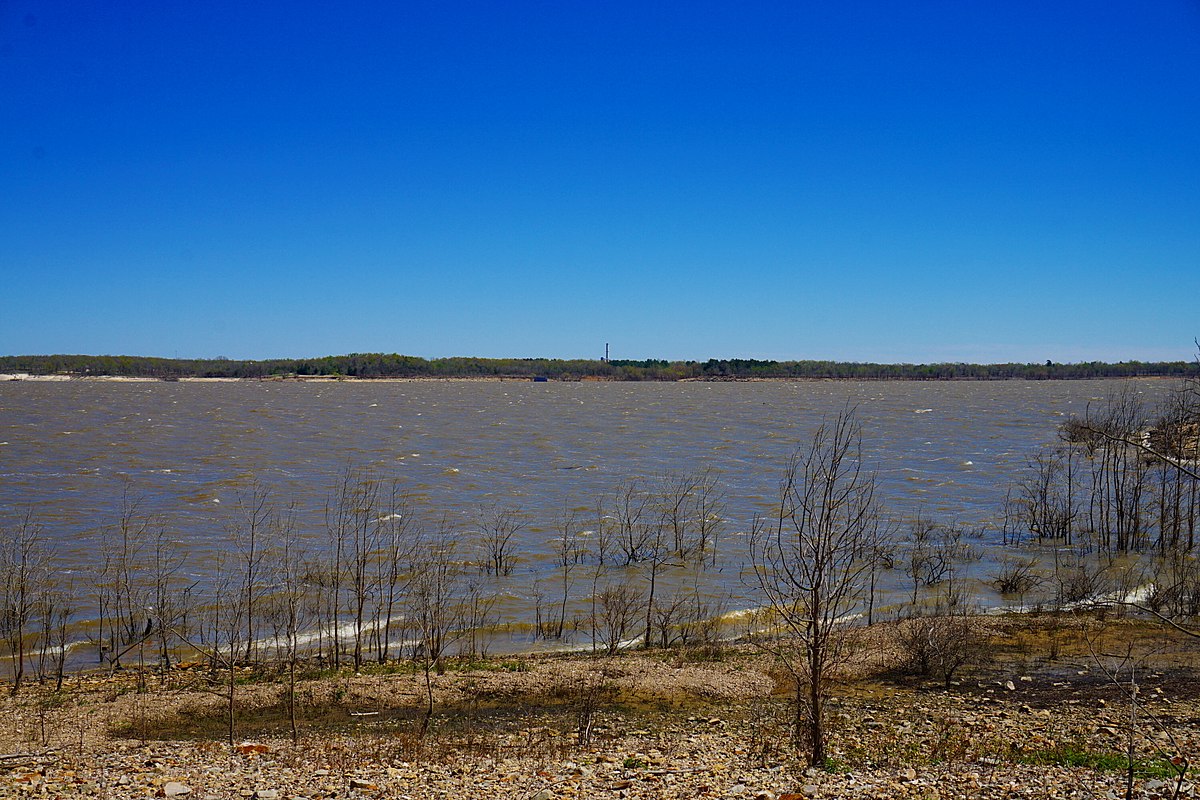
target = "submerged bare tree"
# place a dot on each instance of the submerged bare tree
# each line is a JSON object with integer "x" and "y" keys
{"x": 812, "y": 564}
{"x": 247, "y": 535}
{"x": 497, "y": 529}
{"x": 57, "y": 605}
{"x": 632, "y": 520}
{"x": 599, "y": 549}
{"x": 1167, "y": 449}
{"x": 616, "y": 606}
{"x": 171, "y": 594}
{"x": 398, "y": 535}
{"x": 568, "y": 552}
{"x": 122, "y": 592}
{"x": 24, "y": 563}
{"x": 1045, "y": 504}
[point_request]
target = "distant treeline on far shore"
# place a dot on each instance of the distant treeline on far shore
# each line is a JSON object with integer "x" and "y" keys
{"x": 381, "y": 365}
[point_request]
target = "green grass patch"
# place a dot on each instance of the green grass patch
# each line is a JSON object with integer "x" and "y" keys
{"x": 1068, "y": 756}
{"x": 835, "y": 766}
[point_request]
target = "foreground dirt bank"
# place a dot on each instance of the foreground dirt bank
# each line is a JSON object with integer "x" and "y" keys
{"x": 1036, "y": 716}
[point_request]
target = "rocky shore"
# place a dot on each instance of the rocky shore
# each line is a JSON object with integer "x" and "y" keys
{"x": 1042, "y": 716}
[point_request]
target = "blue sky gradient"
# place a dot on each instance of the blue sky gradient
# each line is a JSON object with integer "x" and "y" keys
{"x": 865, "y": 181}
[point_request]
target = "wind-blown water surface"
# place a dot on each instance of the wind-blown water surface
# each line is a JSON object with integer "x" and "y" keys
{"x": 69, "y": 449}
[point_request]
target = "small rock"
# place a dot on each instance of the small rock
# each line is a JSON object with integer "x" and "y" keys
{"x": 765, "y": 795}
{"x": 1010, "y": 686}
{"x": 544, "y": 794}
{"x": 266, "y": 794}
{"x": 175, "y": 789}
{"x": 356, "y": 783}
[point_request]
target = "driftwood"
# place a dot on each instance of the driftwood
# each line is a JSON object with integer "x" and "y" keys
{"x": 15, "y": 760}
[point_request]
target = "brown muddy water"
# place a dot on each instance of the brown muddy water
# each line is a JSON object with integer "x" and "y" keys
{"x": 67, "y": 450}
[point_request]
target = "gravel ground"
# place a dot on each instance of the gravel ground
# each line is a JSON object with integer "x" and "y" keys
{"x": 661, "y": 726}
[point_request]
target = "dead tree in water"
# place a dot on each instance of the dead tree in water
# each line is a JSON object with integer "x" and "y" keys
{"x": 568, "y": 552}
{"x": 247, "y": 534}
{"x": 674, "y": 498}
{"x": 121, "y": 592}
{"x": 170, "y": 596}
{"x": 398, "y": 535}
{"x": 365, "y": 529}
{"x": 616, "y": 610}
{"x": 658, "y": 555}
{"x": 497, "y": 528}
{"x": 599, "y": 550}
{"x": 692, "y": 507}
{"x": 339, "y": 525}
{"x": 57, "y": 605}
{"x": 1045, "y": 504}
{"x": 632, "y": 526}
{"x": 708, "y": 504}
{"x": 24, "y": 564}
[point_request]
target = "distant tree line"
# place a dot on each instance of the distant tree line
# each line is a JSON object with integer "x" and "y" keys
{"x": 393, "y": 365}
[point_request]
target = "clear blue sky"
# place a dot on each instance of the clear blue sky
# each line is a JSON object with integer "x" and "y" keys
{"x": 980, "y": 181}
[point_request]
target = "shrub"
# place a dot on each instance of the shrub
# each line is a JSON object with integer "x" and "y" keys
{"x": 939, "y": 645}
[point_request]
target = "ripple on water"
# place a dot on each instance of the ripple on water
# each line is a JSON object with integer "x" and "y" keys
{"x": 456, "y": 446}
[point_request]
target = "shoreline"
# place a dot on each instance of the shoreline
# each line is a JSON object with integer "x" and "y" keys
{"x": 30, "y": 378}
{"x": 1035, "y": 718}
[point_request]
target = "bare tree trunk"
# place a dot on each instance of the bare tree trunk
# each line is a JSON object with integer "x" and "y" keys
{"x": 811, "y": 565}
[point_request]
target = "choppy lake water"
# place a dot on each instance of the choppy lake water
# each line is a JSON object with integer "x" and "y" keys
{"x": 68, "y": 449}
